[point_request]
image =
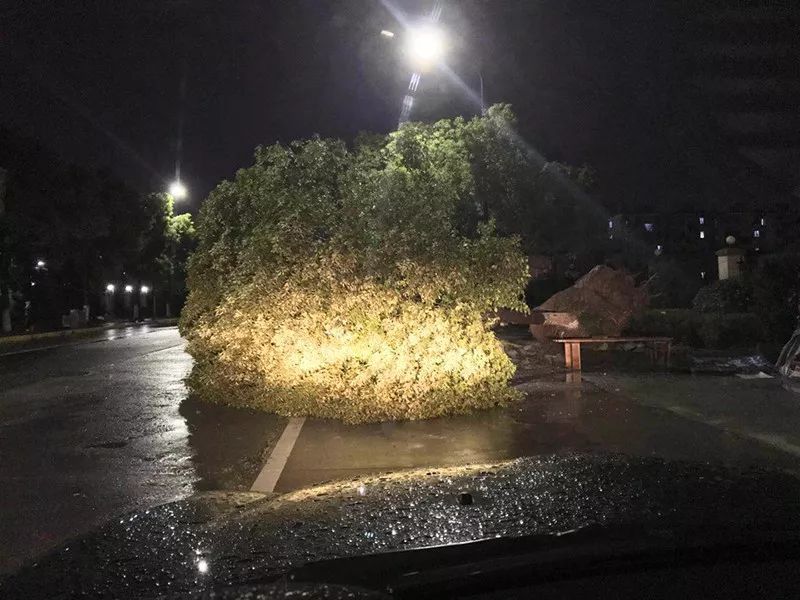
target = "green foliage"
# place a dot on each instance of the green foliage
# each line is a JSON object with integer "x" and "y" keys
{"x": 351, "y": 284}
{"x": 729, "y": 295}
{"x": 696, "y": 329}
{"x": 679, "y": 324}
{"x": 544, "y": 203}
{"x": 730, "y": 329}
{"x": 763, "y": 306}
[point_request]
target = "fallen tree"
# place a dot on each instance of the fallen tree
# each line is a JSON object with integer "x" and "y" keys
{"x": 352, "y": 284}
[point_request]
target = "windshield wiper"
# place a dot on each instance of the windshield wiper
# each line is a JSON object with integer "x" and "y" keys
{"x": 505, "y": 563}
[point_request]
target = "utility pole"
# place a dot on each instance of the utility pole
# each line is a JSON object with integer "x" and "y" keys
{"x": 172, "y": 253}
{"x": 5, "y": 292}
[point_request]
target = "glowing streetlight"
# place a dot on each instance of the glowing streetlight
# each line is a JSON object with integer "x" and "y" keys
{"x": 128, "y": 289}
{"x": 177, "y": 190}
{"x": 144, "y": 289}
{"x": 425, "y": 45}
{"x": 40, "y": 264}
{"x": 110, "y": 288}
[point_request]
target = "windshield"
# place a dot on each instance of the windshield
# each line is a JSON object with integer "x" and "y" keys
{"x": 291, "y": 281}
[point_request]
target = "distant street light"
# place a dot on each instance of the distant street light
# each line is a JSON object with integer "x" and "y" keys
{"x": 110, "y": 288}
{"x": 177, "y": 190}
{"x": 144, "y": 289}
{"x": 40, "y": 264}
{"x": 128, "y": 289}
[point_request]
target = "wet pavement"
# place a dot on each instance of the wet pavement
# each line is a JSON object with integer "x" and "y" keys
{"x": 554, "y": 417}
{"x": 761, "y": 410}
{"x": 93, "y": 430}
{"x": 232, "y": 540}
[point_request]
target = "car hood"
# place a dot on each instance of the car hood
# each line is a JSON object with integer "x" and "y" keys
{"x": 215, "y": 540}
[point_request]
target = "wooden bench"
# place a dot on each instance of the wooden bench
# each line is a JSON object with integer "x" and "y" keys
{"x": 660, "y": 348}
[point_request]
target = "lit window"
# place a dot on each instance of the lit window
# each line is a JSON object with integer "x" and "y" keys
{"x": 756, "y": 233}
{"x": 702, "y": 220}
{"x": 702, "y": 235}
{"x": 648, "y": 227}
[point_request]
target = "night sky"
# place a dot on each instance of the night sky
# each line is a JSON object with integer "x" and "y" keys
{"x": 100, "y": 82}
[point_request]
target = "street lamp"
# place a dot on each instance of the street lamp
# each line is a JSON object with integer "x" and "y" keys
{"x": 40, "y": 264}
{"x": 110, "y": 288}
{"x": 425, "y": 45}
{"x": 177, "y": 190}
{"x": 144, "y": 289}
{"x": 128, "y": 289}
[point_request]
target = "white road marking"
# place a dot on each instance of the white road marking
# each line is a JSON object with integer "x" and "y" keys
{"x": 29, "y": 350}
{"x": 271, "y": 471}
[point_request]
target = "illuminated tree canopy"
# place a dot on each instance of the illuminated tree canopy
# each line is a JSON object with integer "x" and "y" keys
{"x": 352, "y": 284}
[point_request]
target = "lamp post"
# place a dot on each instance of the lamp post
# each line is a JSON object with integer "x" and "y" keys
{"x": 143, "y": 291}
{"x": 178, "y": 192}
{"x": 110, "y": 289}
{"x": 426, "y": 46}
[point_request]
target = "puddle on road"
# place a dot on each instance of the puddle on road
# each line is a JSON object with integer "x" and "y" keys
{"x": 228, "y": 444}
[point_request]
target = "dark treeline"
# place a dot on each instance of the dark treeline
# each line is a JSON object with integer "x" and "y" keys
{"x": 69, "y": 233}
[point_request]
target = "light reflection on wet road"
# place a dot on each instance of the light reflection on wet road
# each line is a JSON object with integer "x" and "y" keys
{"x": 91, "y": 430}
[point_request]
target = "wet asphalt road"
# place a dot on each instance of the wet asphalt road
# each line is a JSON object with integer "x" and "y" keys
{"x": 98, "y": 428}
{"x": 91, "y": 430}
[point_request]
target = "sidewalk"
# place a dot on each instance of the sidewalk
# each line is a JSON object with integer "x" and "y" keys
{"x": 757, "y": 409}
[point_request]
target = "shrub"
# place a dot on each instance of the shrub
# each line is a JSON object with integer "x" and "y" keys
{"x": 351, "y": 284}
{"x": 692, "y": 328}
{"x": 670, "y": 286}
{"x": 677, "y": 323}
{"x": 729, "y": 295}
{"x": 729, "y": 330}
